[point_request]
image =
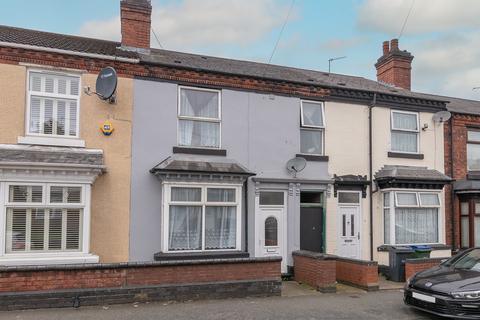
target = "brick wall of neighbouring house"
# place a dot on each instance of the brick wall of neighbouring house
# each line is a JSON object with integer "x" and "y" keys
{"x": 359, "y": 273}
{"x": 413, "y": 266}
{"x": 315, "y": 269}
{"x": 456, "y": 167}
{"x": 129, "y": 282}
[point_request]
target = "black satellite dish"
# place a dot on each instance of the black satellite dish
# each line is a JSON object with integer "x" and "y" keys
{"x": 106, "y": 84}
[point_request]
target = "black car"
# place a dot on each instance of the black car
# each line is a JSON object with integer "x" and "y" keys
{"x": 451, "y": 289}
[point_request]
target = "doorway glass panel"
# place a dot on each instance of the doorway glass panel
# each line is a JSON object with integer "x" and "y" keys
{"x": 271, "y": 232}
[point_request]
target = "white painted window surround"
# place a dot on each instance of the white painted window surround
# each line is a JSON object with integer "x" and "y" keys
{"x": 199, "y": 117}
{"x": 200, "y": 217}
{"x": 405, "y": 133}
{"x": 412, "y": 217}
{"x": 52, "y": 109}
{"x": 44, "y": 223}
{"x": 312, "y": 127}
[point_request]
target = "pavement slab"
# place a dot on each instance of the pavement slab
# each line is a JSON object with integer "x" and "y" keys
{"x": 343, "y": 305}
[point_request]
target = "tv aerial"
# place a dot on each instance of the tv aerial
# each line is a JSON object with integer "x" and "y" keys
{"x": 441, "y": 116}
{"x": 106, "y": 85}
{"x": 296, "y": 165}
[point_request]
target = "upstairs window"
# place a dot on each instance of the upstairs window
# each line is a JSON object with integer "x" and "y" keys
{"x": 473, "y": 150}
{"x": 312, "y": 128}
{"x": 405, "y": 132}
{"x": 199, "y": 118}
{"x": 53, "y": 104}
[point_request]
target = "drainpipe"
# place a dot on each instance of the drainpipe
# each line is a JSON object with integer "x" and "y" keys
{"x": 245, "y": 202}
{"x": 370, "y": 169}
{"x": 452, "y": 192}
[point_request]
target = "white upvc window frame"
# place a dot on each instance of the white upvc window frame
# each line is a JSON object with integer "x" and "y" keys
{"x": 417, "y": 131}
{"x": 393, "y": 205}
{"x": 320, "y": 128}
{"x": 165, "y": 217}
{"x": 45, "y": 257}
{"x": 30, "y": 93}
{"x": 203, "y": 119}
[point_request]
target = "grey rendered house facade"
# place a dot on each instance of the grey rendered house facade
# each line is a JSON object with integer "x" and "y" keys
{"x": 219, "y": 188}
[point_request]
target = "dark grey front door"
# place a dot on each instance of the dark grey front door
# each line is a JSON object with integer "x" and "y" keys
{"x": 311, "y": 229}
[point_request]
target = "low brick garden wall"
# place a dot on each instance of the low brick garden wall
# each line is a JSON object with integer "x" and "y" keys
{"x": 95, "y": 284}
{"x": 318, "y": 270}
{"x": 413, "y": 266}
{"x": 358, "y": 273}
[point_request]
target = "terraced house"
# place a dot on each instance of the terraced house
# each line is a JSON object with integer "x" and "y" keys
{"x": 197, "y": 164}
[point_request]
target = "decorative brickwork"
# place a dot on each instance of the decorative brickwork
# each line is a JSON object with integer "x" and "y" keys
{"x": 151, "y": 72}
{"x": 359, "y": 273}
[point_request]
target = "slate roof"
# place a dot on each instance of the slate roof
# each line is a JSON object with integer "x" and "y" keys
{"x": 222, "y": 65}
{"x": 63, "y": 42}
{"x": 10, "y": 153}
{"x": 273, "y": 72}
{"x": 185, "y": 163}
{"x": 410, "y": 173}
{"x": 459, "y": 105}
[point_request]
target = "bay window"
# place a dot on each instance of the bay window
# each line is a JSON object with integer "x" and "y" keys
{"x": 405, "y": 132}
{"x": 202, "y": 217}
{"x": 44, "y": 218}
{"x": 53, "y": 104}
{"x": 199, "y": 118}
{"x": 411, "y": 217}
{"x": 312, "y": 128}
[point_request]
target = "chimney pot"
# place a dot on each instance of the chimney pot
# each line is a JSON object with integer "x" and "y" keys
{"x": 394, "y": 44}
{"x": 386, "y": 47}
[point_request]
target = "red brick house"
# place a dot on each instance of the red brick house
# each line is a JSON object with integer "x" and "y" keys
{"x": 462, "y": 163}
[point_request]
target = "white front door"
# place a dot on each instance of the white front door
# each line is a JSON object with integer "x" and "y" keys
{"x": 271, "y": 229}
{"x": 349, "y": 231}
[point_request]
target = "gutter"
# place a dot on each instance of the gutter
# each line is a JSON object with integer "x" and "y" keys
{"x": 370, "y": 169}
{"x": 69, "y": 52}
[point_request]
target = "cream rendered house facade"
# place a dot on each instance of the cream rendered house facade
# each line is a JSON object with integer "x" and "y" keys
{"x": 347, "y": 144}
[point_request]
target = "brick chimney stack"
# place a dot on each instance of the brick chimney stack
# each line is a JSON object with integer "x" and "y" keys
{"x": 136, "y": 23}
{"x": 394, "y": 66}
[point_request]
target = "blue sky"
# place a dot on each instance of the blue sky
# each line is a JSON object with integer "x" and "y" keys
{"x": 440, "y": 34}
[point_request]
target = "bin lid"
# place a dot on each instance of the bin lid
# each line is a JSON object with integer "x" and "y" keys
{"x": 421, "y": 247}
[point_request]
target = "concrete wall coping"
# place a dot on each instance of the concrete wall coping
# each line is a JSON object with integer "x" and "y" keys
{"x": 314, "y": 255}
{"x": 147, "y": 264}
{"x": 358, "y": 261}
{"x": 424, "y": 260}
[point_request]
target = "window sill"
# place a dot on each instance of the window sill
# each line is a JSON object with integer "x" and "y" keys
{"x": 51, "y": 141}
{"x": 47, "y": 259}
{"x": 386, "y": 247}
{"x": 201, "y": 151}
{"x": 161, "y": 256}
{"x": 473, "y": 175}
{"x": 313, "y": 157}
{"x": 418, "y": 156}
